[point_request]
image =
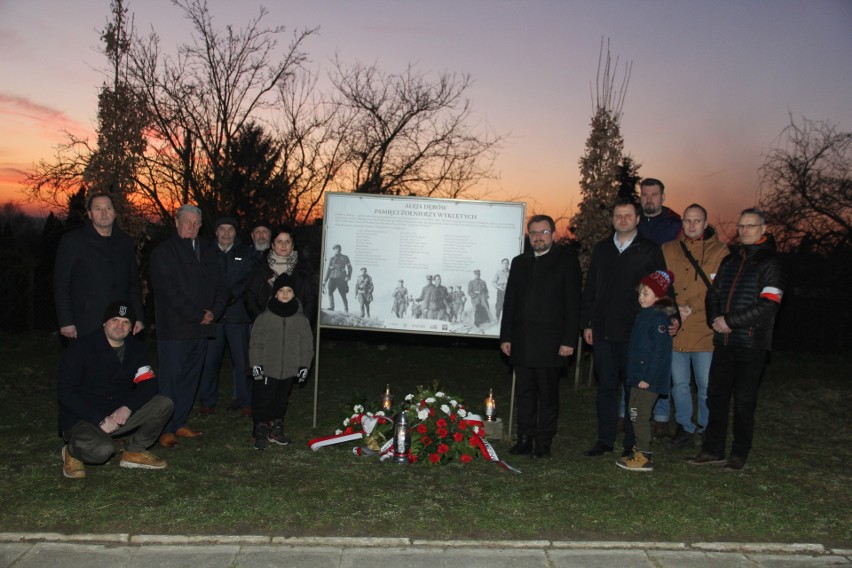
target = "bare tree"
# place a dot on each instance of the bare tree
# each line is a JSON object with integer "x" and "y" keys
{"x": 601, "y": 168}
{"x": 200, "y": 101}
{"x": 404, "y": 134}
{"x": 806, "y": 182}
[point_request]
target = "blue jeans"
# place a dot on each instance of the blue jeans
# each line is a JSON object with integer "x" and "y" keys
{"x": 682, "y": 393}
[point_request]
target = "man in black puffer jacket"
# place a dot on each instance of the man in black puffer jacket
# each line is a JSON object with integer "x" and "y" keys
{"x": 741, "y": 310}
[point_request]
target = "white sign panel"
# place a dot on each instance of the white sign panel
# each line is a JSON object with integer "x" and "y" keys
{"x": 416, "y": 264}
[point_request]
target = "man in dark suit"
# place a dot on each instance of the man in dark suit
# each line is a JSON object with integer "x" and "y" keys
{"x": 235, "y": 261}
{"x": 188, "y": 298}
{"x": 609, "y": 309}
{"x": 95, "y": 265}
{"x": 541, "y": 318}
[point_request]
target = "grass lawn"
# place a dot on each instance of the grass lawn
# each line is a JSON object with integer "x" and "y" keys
{"x": 797, "y": 486}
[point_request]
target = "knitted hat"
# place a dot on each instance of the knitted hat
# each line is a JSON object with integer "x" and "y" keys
{"x": 659, "y": 282}
{"x": 120, "y": 310}
{"x": 226, "y": 221}
{"x": 281, "y": 281}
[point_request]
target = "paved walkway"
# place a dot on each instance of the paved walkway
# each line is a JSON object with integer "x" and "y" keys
{"x": 38, "y": 550}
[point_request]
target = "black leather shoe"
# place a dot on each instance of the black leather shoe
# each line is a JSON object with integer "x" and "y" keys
{"x": 681, "y": 439}
{"x": 523, "y": 446}
{"x": 598, "y": 449}
{"x": 539, "y": 453}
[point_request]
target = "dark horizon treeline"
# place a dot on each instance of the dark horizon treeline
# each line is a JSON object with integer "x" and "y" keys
{"x": 816, "y": 314}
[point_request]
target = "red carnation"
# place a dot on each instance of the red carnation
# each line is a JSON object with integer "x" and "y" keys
{"x": 462, "y": 424}
{"x": 348, "y": 430}
{"x": 466, "y": 458}
{"x": 426, "y": 440}
{"x": 443, "y": 448}
{"x": 443, "y": 433}
{"x": 431, "y": 412}
{"x": 413, "y": 458}
{"x": 422, "y": 429}
{"x": 458, "y": 436}
{"x": 434, "y": 458}
{"x": 441, "y": 423}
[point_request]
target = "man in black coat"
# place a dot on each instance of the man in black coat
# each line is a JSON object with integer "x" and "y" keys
{"x": 95, "y": 265}
{"x": 188, "y": 298}
{"x": 235, "y": 262}
{"x": 538, "y": 332}
{"x": 107, "y": 390}
{"x": 609, "y": 308}
{"x": 746, "y": 295}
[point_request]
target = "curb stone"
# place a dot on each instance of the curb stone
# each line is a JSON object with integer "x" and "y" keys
{"x": 380, "y": 542}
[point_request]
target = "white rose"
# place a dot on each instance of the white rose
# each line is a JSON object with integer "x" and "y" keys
{"x": 462, "y": 412}
{"x": 409, "y": 396}
{"x": 358, "y": 409}
{"x": 380, "y": 413}
{"x": 338, "y": 432}
{"x": 454, "y": 403}
{"x": 445, "y": 409}
{"x": 440, "y": 394}
{"x": 430, "y": 400}
{"x": 346, "y": 422}
{"x": 423, "y": 413}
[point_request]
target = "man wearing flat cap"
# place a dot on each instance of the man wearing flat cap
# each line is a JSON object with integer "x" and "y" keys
{"x": 235, "y": 262}
{"x": 107, "y": 389}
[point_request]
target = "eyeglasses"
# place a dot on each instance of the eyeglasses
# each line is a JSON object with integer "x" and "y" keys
{"x": 544, "y": 232}
{"x": 748, "y": 226}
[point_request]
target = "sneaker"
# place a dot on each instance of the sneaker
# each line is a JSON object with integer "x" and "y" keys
{"x": 734, "y": 463}
{"x": 276, "y": 434}
{"x": 72, "y": 468}
{"x": 681, "y": 439}
{"x": 705, "y": 458}
{"x": 260, "y": 433}
{"x": 278, "y": 437}
{"x": 637, "y": 461}
{"x": 141, "y": 460}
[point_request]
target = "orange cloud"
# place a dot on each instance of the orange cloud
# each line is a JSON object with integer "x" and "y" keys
{"x": 46, "y": 117}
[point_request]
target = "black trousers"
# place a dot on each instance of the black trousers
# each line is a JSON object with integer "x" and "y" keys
{"x": 538, "y": 403}
{"x": 734, "y": 371}
{"x": 270, "y": 398}
{"x": 611, "y": 366}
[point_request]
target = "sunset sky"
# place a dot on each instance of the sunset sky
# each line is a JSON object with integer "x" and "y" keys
{"x": 712, "y": 86}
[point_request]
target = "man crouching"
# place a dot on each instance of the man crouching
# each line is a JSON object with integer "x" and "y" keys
{"x": 107, "y": 389}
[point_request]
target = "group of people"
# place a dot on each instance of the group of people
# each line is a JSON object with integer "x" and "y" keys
{"x": 663, "y": 300}
{"x": 257, "y": 300}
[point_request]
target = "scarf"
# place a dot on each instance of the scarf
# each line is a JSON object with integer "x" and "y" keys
{"x": 280, "y": 264}
{"x": 282, "y": 309}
